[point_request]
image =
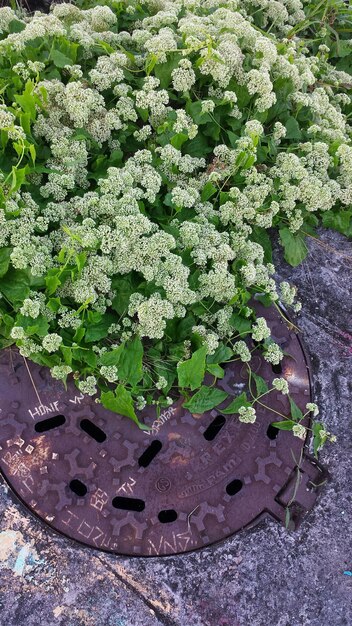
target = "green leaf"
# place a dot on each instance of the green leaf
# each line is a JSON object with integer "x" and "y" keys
{"x": 5, "y": 342}
{"x": 112, "y": 357}
{"x": 236, "y": 404}
{"x": 222, "y": 353}
{"x": 191, "y": 372}
{"x": 163, "y": 70}
{"x": 60, "y": 60}
{"x": 205, "y": 399}
{"x": 233, "y": 138}
{"x": 216, "y": 370}
{"x": 292, "y": 129}
{"x": 197, "y": 147}
{"x": 208, "y": 191}
{"x": 123, "y": 289}
{"x": 15, "y": 26}
{"x": 25, "y": 120}
{"x": 265, "y": 299}
{"x": 130, "y": 369}
{"x": 143, "y": 113}
{"x": 284, "y": 425}
{"x": 184, "y": 327}
{"x": 15, "y": 286}
{"x": 97, "y": 326}
{"x": 339, "y": 220}
{"x": 33, "y": 326}
{"x": 81, "y": 260}
{"x": 18, "y": 178}
{"x": 48, "y": 360}
{"x": 86, "y": 356}
{"x": 318, "y": 440}
{"x": 341, "y": 48}
{"x": 178, "y": 140}
{"x": 295, "y": 249}
{"x": 54, "y": 304}
{"x": 194, "y": 109}
{"x": 6, "y": 324}
{"x": 164, "y": 370}
{"x": 150, "y": 63}
{"x": 79, "y": 334}
{"x": 52, "y": 281}
{"x": 67, "y": 354}
{"x": 241, "y": 324}
{"x": 260, "y": 235}
{"x": 296, "y": 412}
{"x": 27, "y": 100}
{"x": 4, "y": 260}
{"x": 33, "y": 153}
{"x": 121, "y": 402}
{"x": 260, "y": 384}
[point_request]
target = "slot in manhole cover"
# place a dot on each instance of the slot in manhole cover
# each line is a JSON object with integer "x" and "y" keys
{"x": 189, "y": 482}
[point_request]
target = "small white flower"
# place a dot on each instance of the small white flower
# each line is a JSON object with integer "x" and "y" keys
{"x": 299, "y": 431}
{"x": 51, "y": 342}
{"x": 281, "y": 385}
{"x": 247, "y": 414}
{"x": 311, "y": 406}
{"x": 273, "y": 354}
{"x": 88, "y": 385}
{"x": 17, "y": 332}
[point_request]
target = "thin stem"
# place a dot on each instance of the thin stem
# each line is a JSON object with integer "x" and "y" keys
{"x": 32, "y": 381}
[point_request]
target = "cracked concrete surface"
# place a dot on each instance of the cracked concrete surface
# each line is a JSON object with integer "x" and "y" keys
{"x": 263, "y": 577}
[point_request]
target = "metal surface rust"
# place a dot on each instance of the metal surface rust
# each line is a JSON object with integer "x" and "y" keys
{"x": 190, "y": 481}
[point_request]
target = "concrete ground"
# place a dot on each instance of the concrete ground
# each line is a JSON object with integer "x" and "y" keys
{"x": 263, "y": 577}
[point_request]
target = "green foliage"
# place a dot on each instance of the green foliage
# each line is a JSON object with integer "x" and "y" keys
{"x": 284, "y": 425}
{"x": 260, "y": 384}
{"x": 296, "y": 412}
{"x": 5, "y": 254}
{"x": 222, "y": 353}
{"x": 14, "y": 285}
{"x": 191, "y": 372}
{"x": 338, "y": 220}
{"x": 205, "y": 399}
{"x": 236, "y": 404}
{"x": 130, "y": 368}
{"x": 121, "y": 402}
{"x": 97, "y": 326}
{"x": 319, "y": 437}
{"x": 295, "y": 249}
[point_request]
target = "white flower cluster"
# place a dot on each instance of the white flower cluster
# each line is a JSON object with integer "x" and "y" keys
{"x": 152, "y": 314}
{"x": 311, "y": 406}
{"x": 281, "y": 384}
{"x": 299, "y": 431}
{"x": 241, "y": 348}
{"x": 108, "y": 70}
{"x": 260, "y": 329}
{"x": 52, "y": 342}
{"x": 183, "y": 77}
{"x": 247, "y": 414}
{"x": 88, "y": 385}
{"x": 273, "y": 354}
{"x": 60, "y": 372}
{"x": 209, "y": 340}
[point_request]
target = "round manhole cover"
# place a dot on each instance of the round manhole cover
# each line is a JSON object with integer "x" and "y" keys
{"x": 190, "y": 481}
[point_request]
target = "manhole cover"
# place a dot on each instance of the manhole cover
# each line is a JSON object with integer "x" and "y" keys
{"x": 189, "y": 482}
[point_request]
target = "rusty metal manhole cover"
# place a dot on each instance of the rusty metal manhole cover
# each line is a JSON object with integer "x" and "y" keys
{"x": 189, "y": 482}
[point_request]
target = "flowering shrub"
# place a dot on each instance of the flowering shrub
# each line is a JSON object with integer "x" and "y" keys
{"x": 146, "y": 149}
